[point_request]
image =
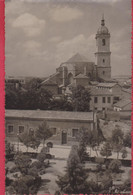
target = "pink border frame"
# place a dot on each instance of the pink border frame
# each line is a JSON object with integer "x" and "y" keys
{"x": 2, "y": 96}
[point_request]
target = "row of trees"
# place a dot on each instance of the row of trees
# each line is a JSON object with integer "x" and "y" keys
{"x": 116, "y": 143}
{"x": 35, "y": 96}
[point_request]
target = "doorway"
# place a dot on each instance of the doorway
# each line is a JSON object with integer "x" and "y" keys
{"x": 64, "y": 137}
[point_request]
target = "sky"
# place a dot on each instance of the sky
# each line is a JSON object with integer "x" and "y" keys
{"x": 41, "y": 34}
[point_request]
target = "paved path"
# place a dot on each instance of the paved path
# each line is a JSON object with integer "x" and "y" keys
{"x": 49, "y": 185}
{"x": 62, "y": 152}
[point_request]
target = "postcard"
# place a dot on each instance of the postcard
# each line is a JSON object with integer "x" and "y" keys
{"x": 67, "y": 115}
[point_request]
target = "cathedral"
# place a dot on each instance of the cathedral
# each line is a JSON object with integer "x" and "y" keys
{"x": 78, "y": 70}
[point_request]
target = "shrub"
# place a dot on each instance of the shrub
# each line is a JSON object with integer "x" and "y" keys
{"x": 14, "y": 169}
{"x": 115, "y": 165}
{"x": 33, "y": 171}
{"x": 36, "y": 164}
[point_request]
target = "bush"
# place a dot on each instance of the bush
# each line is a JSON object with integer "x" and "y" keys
{"x": 115, "y": 165}
{"x": 41, "y": 157}
{"x": 14, "y": 169}
{"x": 33, "y": 171}
{"x": 106, "y": 181}
{"x": 36, "y": 164}
{"x": 42, "y": 172}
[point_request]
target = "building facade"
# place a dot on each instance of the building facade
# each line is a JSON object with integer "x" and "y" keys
{"x": 101, "y": 99}
{"x": 64, "y": 125}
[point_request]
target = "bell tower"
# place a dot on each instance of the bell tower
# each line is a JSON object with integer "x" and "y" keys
{"x": 103, "y": 52}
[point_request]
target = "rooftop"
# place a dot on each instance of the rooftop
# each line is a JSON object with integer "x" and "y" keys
{"x": 122, "y": 103}
{"x": 109, "y": 85}
{"x": 127, "y": 90}
{"x": 46, "y": 114}
{"x": 77, "y": 58}
{"x": 49, "y": 82}
{"x": 81, "y": 76}
{"x": 101, "y": 92}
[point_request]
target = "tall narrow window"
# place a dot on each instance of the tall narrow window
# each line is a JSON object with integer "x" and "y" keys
{"x": 104, "y": 100}
{"x": 103, "y": 72}
{"x": 103, "y": 42}
{"x": 103, "y": 60}
{"x": 21, "y": 129}
{"x": 10, "y": 129}
{"x": 95, "y": 99}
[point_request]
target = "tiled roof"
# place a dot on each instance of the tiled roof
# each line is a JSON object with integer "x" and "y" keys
{"x": 127, "y": 90}
{"x": 93, "y": 82}
{"x": 110, "y": 85}
{"x": 81, "y": 76}
{"x": 101, "y": 92}
{"x": 77, "y": 58}
{"x": 53, "y": 115}
{"x": 122, "y": 103}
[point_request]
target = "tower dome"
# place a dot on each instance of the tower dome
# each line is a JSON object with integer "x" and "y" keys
{"x": 103, "y": 29}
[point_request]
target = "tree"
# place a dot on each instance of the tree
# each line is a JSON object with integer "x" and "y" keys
{"x": 106, "y": 182}
{"x": 43, "y": 132}
{"x": 34, "y": 84}
{"x": 81, "y": 99}
{"x": 84, "y": 137}
{"x": 61, "y": 104}
{"x": 29, "y": 140}
{"x": 26, "y": 184}
{"x": 41, "y": 156}
{"x": 20, "y": 187}
{"x": 38, "y": 98}
{"x": 11, "y": 99}
{"x": 106, "y": 150}
{"x": 127, "y": 140}
{"x": 9, "y": 148}
{"x": 117, "y": 140}
{"x": 75, "y": 179}
{"x": 22, "y": 162}
{"x": 124, "y": 153}
{"x": 115, "y": 165}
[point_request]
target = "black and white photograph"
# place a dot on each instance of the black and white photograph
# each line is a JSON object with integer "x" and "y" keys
{"x": 68, "y": 89}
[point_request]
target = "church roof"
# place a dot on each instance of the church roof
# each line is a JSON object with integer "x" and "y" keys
{"x": 77, "y": 58}
{"x": 81, "y": 76}
{"x": 48, "y": 82}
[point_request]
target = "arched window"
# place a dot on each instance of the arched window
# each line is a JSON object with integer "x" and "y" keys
{"x": 103, "y": 42}
{"x": 103, "y": 72}
{"x": 103, "y": 60}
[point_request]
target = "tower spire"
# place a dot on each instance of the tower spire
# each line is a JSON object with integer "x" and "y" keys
{"x": 102, "y": 21}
